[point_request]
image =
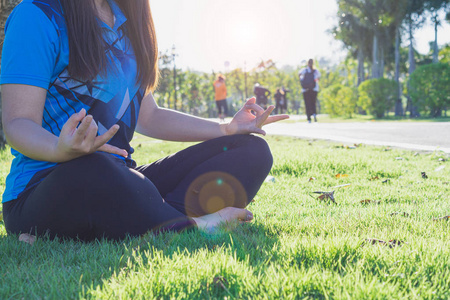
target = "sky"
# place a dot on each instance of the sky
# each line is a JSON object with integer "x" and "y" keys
{"x": 211, "y": 35}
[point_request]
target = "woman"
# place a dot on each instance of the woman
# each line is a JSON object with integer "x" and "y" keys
{"x": 76, "y": 82}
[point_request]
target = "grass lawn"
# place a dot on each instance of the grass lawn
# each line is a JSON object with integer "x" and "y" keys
{"x": 298, "y": 246}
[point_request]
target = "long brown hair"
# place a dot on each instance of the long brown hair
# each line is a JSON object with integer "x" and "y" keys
{"x": 87, "y": 57}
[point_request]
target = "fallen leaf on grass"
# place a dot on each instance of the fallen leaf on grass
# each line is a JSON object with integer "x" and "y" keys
{"x": 311, "y": 179}
{"x": 220, "y": 282}
{"x": 446, "y": 218}
{"x": 326, "y": 196}
{"x": 368, "y": 201}
{"x": 27, "y": 238}
{"x": 390, "y": 244}
{"x": 342, "y": 185}
{"x": 374, "y": 178}
{"x": 341, "y": 175}
{"x": 404, "y": 214}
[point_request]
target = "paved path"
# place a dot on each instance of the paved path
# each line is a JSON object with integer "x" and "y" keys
{"x": 423, "y": 136}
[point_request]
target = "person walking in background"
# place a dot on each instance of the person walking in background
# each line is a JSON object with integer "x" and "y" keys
{"x": 280, "y": 100}
{"x": 309, "y": 79}
{"x": 220, "y": 89}
{"x": 77, "y": 80}
{"x": 261, "y": 94}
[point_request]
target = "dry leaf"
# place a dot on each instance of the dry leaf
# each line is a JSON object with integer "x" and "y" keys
{"x": 356, "y": 145}
{"x": 391, "y": 243}
{"x": 373, "y": 242}
{"x": 404, "y": 214}
{"x": 311, "y": 179}
{"x": 341, "y": 175}
{"x": 395, "y": 243}
{"x": 368, "y": 201}
{"x": 446, "y": 218}
{"x": 220, "y": 282}
{"x": 326, "y": 196}
{"x": 342, "y": 185}
{"x": 374, "y": 178}
{"x": 27, "y": 238}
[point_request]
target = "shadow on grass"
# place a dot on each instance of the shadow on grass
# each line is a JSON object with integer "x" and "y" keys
{"x": 62, "y": 269}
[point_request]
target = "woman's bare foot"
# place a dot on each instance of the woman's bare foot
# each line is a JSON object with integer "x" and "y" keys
{"x": 225, "y": 215}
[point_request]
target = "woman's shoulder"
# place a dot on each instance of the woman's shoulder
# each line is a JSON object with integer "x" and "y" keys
{"x": 36, "y": 10}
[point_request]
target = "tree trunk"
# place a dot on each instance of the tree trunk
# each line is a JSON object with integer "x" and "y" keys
{"x": 398, "y": 103}
{"x": 361, "y": 76}
{"x": 435, "y": 48}
{"x": 412, "y": 66}
{"x": 375, "y": 62}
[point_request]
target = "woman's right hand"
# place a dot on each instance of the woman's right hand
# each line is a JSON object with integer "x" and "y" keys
{"x": 78, "y": 137}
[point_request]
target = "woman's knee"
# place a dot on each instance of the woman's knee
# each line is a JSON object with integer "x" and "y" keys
{"x": 260, "y": 149}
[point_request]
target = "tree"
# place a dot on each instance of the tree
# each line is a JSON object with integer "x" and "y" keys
{"x": 434, "y": 7}
{"x": 413, "y": 20}
{"x": 6, "y": 6}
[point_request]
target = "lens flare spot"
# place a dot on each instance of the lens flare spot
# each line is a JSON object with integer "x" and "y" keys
{"x": 213, "y": 191}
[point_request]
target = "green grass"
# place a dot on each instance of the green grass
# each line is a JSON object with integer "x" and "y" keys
{"x": 297, "y": 246}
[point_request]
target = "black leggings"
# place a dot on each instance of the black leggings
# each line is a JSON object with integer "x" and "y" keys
{"x": 98, "y": 196}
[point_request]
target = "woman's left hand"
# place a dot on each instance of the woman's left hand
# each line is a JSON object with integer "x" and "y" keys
{"x": 250, "y": 119}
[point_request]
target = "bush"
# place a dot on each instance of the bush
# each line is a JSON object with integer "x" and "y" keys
{"x": 339, "y": 100}
{"x": 377, "y": 95}
{"x": 429, "y": 88}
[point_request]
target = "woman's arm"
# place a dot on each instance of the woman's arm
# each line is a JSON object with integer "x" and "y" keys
{"x": 22, "y": 111}
{"x": 171, "y": 125}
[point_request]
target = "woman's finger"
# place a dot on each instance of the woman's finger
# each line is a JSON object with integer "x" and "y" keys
{"x": 81, "y": 131}
{"x": 260, "y": 120}
{"x": 104, "y": 138}
{"x": 91, "y": 133}
{"x": 113, "y": 149}
{"x": 71, "y": 124}
{"x": 276, "y": 118}
{"x": 255, "y": 107}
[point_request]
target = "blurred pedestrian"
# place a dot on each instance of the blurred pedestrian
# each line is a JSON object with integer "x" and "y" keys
{"x": 220, "y": 89}
{"x": 261, "y": 94}
{"x": 309, "y": 79}
{"x": 280, "y": 100}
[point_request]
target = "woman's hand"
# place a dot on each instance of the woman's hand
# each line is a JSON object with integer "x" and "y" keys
{"x": 78, "y": 139}
{"x": 250, "y": 119}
